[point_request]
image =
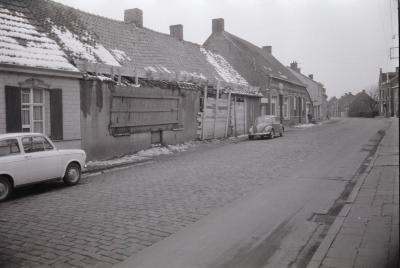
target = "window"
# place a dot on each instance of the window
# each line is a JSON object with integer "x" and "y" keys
{"x": 32, "y": 110}
{"x": 36, "y": 144}
{"x": 274, "y": 106}
{"x": 9, "y": 147}
{"x": 286, "y": 107}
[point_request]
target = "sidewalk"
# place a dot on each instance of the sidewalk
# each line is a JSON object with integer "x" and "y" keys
{"x": 366, "y": 231}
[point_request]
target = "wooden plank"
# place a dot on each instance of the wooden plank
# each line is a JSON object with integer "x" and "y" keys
{"x": 228, "y": 114}
{"x": 216, "y": 108}
{"x": 153, "y": 123}
{"x": 137, "y": 96}
{"x": 204, "y": 111}
{"x": 145, "y": 110}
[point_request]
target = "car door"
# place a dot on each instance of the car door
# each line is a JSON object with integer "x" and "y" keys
{"x": 12, "y": 161}
{"x": 41, "y": 158}
{"x": 275, "y": 125}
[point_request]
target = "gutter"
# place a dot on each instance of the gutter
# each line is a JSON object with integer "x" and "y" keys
{"x": 39, "y": 71}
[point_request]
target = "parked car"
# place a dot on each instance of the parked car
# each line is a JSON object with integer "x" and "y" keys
{"x": 29, "y": 158}
{"x": 266, "y": 126}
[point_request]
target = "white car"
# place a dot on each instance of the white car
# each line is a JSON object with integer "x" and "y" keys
{"x": 29, "y": 158}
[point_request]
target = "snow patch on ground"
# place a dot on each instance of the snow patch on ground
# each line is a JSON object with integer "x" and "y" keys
{"x": 143, "y": 155}
{"x": 306, "y": 125}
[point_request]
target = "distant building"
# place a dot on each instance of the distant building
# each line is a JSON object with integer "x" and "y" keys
{"x": 316, "y": 90}
{"x": 362, "y": 106}
{"x": 344, "y": 104}
{"x": 389, "y": 93}
{"x": 333, "y": 107}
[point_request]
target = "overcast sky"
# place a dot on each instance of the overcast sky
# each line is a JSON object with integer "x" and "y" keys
{"x": 342, "y": 42}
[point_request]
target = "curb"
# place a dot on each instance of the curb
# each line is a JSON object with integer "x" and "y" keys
{"x": 103, "y": 170}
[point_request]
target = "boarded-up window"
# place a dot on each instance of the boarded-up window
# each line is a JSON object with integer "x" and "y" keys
{"x": 141, "y": 112}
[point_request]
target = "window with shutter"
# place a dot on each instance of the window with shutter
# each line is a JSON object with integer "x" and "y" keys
{"x": 13, "y": 109}
{"x": 56, "y": 114}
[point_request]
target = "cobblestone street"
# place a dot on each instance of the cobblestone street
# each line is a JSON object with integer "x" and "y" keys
{"x": 110, "y": 217}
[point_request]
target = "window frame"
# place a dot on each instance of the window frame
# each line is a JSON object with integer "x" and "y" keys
{"x": 31, "y": 108}
{"x": 287, "y": 110}
{"x": 9, "y": 145}
{"x": 38, "y": 151}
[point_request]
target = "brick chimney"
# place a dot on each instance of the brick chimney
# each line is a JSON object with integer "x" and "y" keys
{"x": 218, "y": 25}
{"x": 267, "y": 49}
{"x": 134, "y": 16}
{"x": 294, "y": 66}
{"x": 176, "y": 31}
{"x": 311, "y": 76}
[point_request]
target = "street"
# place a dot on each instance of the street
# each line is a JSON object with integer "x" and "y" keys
{"x": 299, "y": 181}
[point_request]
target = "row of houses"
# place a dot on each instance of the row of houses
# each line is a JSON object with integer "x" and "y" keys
{"x": 349, "y": 105}
{"x": 114, "y": 87}
{"x": 388, "y": 97}
{"x": 383, "y": 102}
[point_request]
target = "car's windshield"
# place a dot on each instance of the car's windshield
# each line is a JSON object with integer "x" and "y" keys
{"x": 263, "y": 120}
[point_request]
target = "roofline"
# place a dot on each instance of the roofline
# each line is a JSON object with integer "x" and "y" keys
{"x": 39, "y": 71}
{"x": 305, "y": 76}
{"x": 287, "y": 80}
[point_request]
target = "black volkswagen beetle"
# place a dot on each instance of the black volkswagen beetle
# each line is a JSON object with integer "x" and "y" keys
{"x": 266, "y": 126}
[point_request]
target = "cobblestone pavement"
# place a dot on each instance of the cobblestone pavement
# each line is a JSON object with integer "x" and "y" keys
{"x": 367, "y": 232}
{"x": 107, "y": 218}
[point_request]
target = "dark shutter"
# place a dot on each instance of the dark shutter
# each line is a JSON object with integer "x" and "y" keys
{"x": 56, "y": 114}
{"x": 13, "y": 109}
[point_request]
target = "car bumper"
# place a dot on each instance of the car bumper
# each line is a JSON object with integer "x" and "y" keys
{"x": 260, "y": 134}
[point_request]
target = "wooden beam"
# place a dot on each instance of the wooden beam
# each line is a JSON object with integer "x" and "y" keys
{"x": 204, "y": 111}
{"x": 228, "y": 115}
{"x": 216, "y": 110}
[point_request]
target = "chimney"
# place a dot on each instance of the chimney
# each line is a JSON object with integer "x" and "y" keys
{"x": 267, "y": 49}
{"x": 176, "y": 31}
{"x": 134, "y": 16}
{"x": 311, "y": 76}
{"x": 218, "y": 25}
{"x": 294, "y": 66}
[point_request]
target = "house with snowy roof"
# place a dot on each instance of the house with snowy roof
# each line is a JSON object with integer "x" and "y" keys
{"x": 283, "y": 94}
{"x": 39, "y": 87}
{"x": 317, "y": 91}
{"x": 134, "y": 87}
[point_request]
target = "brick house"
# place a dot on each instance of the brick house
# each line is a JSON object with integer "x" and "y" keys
{"x": 316, "y": 90}
{"x": 134, "y": 87}
{"x": 389, "y": 93}
{"x": 39, "y": 87}
{"x": 283, "y": 94}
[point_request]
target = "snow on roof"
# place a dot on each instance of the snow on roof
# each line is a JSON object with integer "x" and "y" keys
{"x": 96, "y": 53}
{"x": 223, "y": 68}
{"x": 120, "y": 56}
{"x": 22, "y": 43}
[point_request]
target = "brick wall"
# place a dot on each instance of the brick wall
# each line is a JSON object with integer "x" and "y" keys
{"x": 71, "y": 105}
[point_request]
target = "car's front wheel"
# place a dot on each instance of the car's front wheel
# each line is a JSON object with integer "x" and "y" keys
{"x": 72, "y": 174}
{"x": 272, "y": 135}
{"x": 5, "y": 189}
